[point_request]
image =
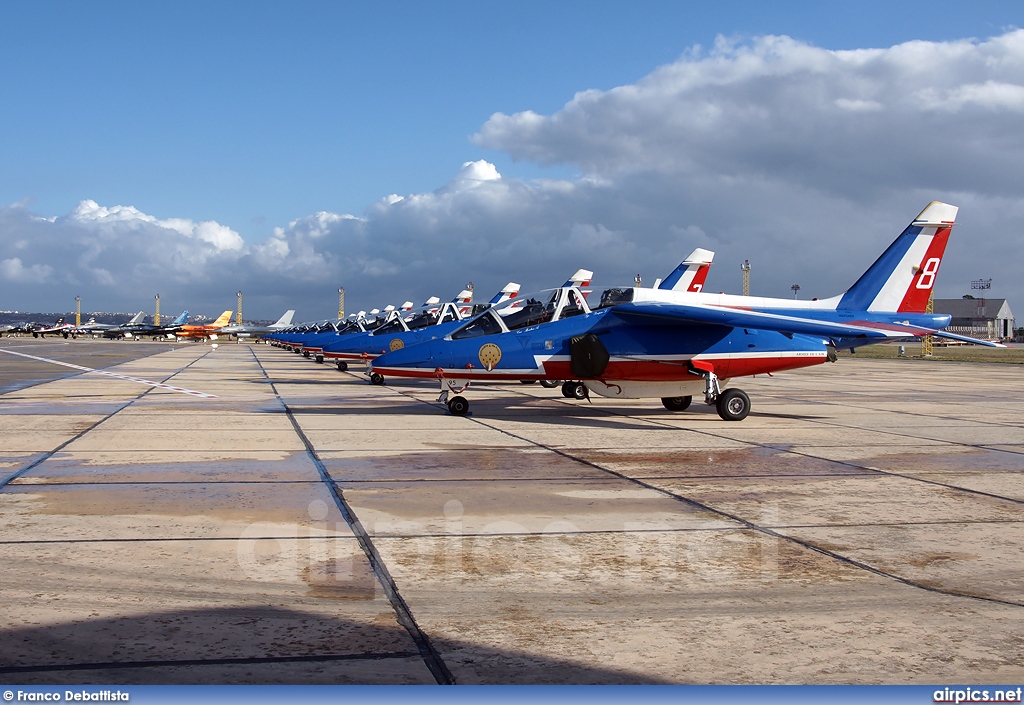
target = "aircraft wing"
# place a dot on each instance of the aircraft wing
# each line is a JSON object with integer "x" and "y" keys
{"x": 965, "y": 339}
{"x": 744, "y": 318}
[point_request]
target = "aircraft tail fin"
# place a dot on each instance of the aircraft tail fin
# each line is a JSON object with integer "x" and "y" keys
{"x": 691, "y": 272}
{"x": 137, "y": 319}
{"x": 432, "y": 301}
{"x": 581, "y": 277}
{"x": 285, "y": 320}
{"x": 180, "y": 320}
{"x": 901, "y": 280}
{"x": 222, "y": 320}
{"x": 510, "y": 291}
{"x": 407, "y": 306}
{"x": 465, "y": 297}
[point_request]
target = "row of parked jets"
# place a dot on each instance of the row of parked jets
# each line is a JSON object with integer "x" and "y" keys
{"x": 672, "y": 341}
{"x": 136, "y": 328}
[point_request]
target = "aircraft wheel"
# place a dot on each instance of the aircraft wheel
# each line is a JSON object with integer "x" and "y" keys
{"x": 458, "y": 406}
{"x": 676, "y": 403}
{"x": 377, "y": 378}
{"x": 550, "y": 383}
{"x": 296, "y": 351}
{"x": 319, "y": 359}
{"x": 565, "y": 390}
{"x": 733, "y": 405}
{"x": 305, "y": 353}
{"x": 577, "y": 390}
{"x": 527, "y": 381}
{"x": 342, "y": 366}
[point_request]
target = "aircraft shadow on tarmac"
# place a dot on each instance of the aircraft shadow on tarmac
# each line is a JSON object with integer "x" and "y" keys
{"x": 262, "y": 645}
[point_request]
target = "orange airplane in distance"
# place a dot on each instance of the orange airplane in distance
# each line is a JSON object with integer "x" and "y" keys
{"x": 198, "y": 332}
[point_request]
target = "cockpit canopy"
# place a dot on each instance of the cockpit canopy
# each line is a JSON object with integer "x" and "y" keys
{"x": 525, "y": 311}
{"x": 426, "y": 316}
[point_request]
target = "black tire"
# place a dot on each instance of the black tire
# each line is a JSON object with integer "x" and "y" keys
{"x": 458, "y": 406}
{"x": 527, "y": 381}
{"x": 377, "y": 378}
{"x": 342, "y": 366}
{"x": 733, "y": 405}
{"x": 565, "y": 390}
{"x": 676, "y": 403}
{"x": 578, "y": 390}
{"x": 305, "y": 353}
{"x": 319, "y": 359}
{"x": 550, "y": 383}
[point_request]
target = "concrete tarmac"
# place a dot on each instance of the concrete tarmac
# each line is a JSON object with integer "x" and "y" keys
{"x": 863, "y": 525}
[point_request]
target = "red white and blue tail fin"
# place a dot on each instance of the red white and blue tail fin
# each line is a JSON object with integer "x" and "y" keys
{"x": 901, "y": 280}
{"x": 407, "y": 306}
{"x": 691, "y": 272}
{"x": 465, "y": 297}
{"x": 581, "y": 277}
{"x": 510, "y": 291}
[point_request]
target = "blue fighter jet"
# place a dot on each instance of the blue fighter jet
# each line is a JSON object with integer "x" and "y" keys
{"x": 642, "y": 343}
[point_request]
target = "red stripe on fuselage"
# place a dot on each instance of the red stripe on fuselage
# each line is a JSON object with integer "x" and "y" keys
{"x": 627, "y": 370}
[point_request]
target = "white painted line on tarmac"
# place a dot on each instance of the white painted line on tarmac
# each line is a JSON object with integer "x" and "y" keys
{"x": 159, "y": 385}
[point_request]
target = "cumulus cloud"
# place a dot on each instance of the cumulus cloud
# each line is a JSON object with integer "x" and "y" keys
{"x": 805, "y": 161}
{"x": 932, "y": 114}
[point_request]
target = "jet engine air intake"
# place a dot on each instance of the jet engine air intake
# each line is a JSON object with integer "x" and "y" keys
{"x": 589, "y": 356}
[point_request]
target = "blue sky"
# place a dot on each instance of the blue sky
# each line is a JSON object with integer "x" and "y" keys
{"x": 254, "y": 115}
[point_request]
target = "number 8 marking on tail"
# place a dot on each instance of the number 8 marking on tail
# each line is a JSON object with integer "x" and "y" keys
{"x": 927, "y": 279}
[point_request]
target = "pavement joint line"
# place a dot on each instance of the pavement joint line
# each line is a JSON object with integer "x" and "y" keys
{"x": 115, "y": 375}
{"x": 163, "y": 482}
{"x": 500, "y": 534}
{"x": 803, "y": 454}
{"x": 113, "y": 665}
{"x": 179, "y": 539}
{"x": 431, "y": 657}
{"x": 840, "y": 392}
{"x": 49, "y": 454}
{"x": 740, "y": 520}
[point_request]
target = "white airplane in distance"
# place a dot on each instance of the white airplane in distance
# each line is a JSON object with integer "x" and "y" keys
{"x": 244, "y": 331}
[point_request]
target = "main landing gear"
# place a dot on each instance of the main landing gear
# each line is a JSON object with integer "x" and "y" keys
{"x": 731, "y": 405}
{"x": 574, "y": 390}
{"x": 376, "y": 378}
{"x": 342, "y": 366}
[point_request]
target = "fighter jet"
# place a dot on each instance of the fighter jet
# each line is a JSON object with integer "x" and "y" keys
{"x": 135, "y": 329}
{"x": 243, "y": 331}
{"x": 200, "y": 332}
{"x": 674, "y": 345}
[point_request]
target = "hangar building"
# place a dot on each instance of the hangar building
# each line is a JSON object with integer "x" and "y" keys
{"x": 989, "y": 319}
